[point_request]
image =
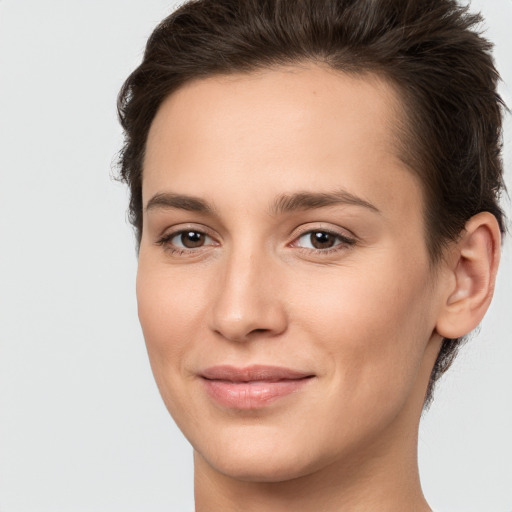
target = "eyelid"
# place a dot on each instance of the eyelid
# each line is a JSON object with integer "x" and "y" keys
{"x": 346, "y": 238}
{"x": 187, "y": 226}
{"x": 343, "y": 233}
{"x": 169, "y": 233}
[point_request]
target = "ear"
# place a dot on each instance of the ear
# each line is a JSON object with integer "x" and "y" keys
{"x": 472, "y": 265}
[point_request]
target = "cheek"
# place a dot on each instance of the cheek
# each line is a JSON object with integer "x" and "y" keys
{"x": 169, "y": 306}
{"x": 373, "y": 325}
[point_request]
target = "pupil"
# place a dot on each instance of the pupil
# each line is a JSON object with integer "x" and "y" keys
{"x": 192, "y": 239}
{"x": 322, "y": 240}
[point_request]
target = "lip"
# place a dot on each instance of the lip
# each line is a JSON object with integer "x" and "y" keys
{"x": 252, "y": 387}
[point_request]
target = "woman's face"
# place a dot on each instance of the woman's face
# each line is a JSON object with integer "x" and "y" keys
{"x": 284, "y": 287}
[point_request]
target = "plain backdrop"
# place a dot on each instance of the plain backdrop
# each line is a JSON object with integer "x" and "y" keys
{"x": 82, "y": 427}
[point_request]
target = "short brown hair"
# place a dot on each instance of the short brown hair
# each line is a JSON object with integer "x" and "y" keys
{"x": 430, "y": 50}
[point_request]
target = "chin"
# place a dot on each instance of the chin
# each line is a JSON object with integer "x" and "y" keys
{"x": 251, "y": 467}
{"x": 262, "y": 456}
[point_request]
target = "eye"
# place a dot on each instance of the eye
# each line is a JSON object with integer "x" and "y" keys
{"x": 185, "y": 240}
{"x": 190, "y": 239}
{"x": 322, "y": 240}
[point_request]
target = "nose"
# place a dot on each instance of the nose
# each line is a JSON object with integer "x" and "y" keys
{"x": 249, "y": 302}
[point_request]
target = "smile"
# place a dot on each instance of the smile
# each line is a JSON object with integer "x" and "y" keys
{"x": 252, "y": 387}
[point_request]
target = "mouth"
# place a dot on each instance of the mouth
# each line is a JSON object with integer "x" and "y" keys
{"x": 252, "y": 387}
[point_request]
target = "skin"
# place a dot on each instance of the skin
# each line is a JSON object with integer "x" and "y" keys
{"x": 365, "y": 317}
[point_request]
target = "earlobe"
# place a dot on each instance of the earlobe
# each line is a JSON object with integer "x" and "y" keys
{"x": 473, "y": 265}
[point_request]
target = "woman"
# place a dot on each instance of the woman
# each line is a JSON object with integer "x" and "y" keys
{"x": 314, "y": 187}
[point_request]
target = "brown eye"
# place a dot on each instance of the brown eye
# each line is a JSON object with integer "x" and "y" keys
{"x": 186, "y": 241}
{"x": 322, "y": 239}
{"x": 190, "y": 239}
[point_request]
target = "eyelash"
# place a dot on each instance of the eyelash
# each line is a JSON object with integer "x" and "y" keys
{"x": 165, "y": 240}
{"x": 344, "y": 242}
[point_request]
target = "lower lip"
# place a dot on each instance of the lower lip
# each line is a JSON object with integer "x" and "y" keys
{"x": 251, "y": 395}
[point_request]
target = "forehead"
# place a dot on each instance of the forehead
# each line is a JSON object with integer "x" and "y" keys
{"x": 279, "y": 130}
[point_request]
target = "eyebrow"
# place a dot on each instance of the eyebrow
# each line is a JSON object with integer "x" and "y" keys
{"x": 168, "y": 200}
{"x": 285, "y": 203}
{"x": 310, "y": 200}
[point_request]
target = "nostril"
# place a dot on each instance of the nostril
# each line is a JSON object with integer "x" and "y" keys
{"x": 258, "y": 331}
{"x": 238, "y": 335}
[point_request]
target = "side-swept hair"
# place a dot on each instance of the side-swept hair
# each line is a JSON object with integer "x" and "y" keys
{"x": 430, "y": 50}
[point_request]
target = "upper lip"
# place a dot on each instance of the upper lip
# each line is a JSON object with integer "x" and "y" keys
{"x": 252, "y": 373}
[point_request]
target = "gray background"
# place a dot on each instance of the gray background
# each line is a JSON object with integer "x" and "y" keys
{"x": 82, "y": 427}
